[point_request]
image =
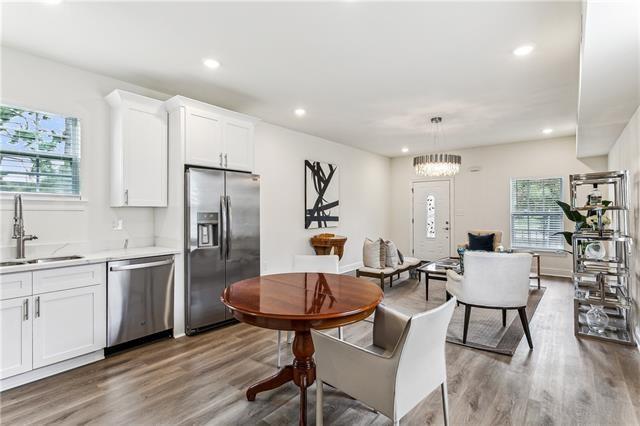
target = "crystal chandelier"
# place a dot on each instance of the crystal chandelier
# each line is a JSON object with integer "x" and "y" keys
{"x": 439, "y": 164}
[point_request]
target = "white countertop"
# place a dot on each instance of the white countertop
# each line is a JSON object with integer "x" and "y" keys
{"x": 96, "y": 257}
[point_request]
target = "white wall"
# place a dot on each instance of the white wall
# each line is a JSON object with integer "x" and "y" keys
{"x": 364, "y": 192}
{"x": 481, "y": 199}
{"x": 86, "y": 225}
{"x": 625, "y": 155}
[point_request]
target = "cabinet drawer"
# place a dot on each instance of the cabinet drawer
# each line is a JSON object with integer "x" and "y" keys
{"x": 15, "y": 285}
{"x": 66, "y": 278}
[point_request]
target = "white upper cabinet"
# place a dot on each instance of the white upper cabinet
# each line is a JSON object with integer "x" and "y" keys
{"x": 138, "y": 150}
{"x": 213, "y": 136}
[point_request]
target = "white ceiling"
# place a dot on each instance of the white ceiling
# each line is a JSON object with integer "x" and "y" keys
{"x": 368, "y": 74}
{"x": 609, "y": 74}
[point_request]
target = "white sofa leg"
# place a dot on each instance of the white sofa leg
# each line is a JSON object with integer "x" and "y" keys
{"x": 319, "y": 402}
{"x": 445, "y": 402}
{"x": 279, "y": 340}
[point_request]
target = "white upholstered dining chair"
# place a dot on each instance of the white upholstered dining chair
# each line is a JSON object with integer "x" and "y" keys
{"x": 311, "y": 263}
{"x": 493, "y": 281}
{"x": 404, "y": 364}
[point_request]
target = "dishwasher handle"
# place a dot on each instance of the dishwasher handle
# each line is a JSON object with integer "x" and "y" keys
{"x": 141, "y": 265}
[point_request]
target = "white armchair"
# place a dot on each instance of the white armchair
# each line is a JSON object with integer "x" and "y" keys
{"x": 404, "y": 364}
{"x": 311, "y": 263}
{"x": 493, "y": 281}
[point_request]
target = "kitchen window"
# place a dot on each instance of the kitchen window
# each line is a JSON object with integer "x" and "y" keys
{"x": 535, "y": 215}
{"x": 39, "y": 152}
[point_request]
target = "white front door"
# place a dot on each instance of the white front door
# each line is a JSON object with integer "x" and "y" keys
{"x": 431, "y": 224}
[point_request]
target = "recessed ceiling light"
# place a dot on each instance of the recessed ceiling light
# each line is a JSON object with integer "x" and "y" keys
{"x": 211, "y": 63}
{"x": 405, "y": 149}
{"x": 547, "y": 131}
{"x": 523, "y": 50}
{"x": 300, "y": 112}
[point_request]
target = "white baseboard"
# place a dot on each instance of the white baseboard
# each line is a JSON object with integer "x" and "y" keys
{"x": 50, "y": 370}
{"x": 556, "y": 272}
{"x": 350, "y": 268}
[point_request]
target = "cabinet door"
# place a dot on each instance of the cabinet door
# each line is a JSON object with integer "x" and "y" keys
{"x": 15, "y": 336}
{"x": 203, "y": 138}
{"x": 145, "y": 157}
{"x": 68, "y": 323}
{"x": 238, "y": 145}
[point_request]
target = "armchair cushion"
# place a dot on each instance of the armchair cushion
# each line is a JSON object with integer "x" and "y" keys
{"x": 481, "y": 242}
{"x": 388, "y": 327}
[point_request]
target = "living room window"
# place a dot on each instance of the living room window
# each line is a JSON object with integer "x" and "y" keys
{"x": 535, "y": 215}
{"x": 39, "y": 152}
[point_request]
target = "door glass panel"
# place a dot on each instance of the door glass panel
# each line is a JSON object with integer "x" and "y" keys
{"x": 431, "y": 216}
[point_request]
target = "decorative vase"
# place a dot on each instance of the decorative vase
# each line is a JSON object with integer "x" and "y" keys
{"x": 597, "y": 319}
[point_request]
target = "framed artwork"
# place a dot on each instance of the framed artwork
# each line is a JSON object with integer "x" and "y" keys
{"x": 322, "y": 195}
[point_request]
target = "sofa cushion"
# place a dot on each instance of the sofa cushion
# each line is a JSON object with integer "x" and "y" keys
{"x": 481, "y": 242}
{"x": 377, "y": 270}
{"x": 410, "y": 261}
{"x": 371, "y": 253}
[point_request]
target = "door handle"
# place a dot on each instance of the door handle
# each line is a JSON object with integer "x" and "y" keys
{"x": 25, "y": 305}
{"x": 141, "y": 265}
{"x": 223, "y": 226}
{"x": 38, "y": 307}
{"x": 229, "y": 224}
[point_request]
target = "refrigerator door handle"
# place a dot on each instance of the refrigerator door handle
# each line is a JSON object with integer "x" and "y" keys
{"x": 223, "y": 225}
{"x": 229, "y": 224}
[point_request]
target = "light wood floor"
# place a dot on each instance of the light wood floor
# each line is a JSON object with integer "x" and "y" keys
{"x": 197, "y": 380}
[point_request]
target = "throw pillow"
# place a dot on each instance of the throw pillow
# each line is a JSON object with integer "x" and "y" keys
{"x": 391, "y": 252}
{"x": 383, "y": 253}
{"x": 371, "y": 254}
{"x": 400, "y": 257}
{"x": 481, "y": 242}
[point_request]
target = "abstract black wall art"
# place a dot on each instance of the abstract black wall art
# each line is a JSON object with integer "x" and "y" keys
{"x": 322, "y": 195}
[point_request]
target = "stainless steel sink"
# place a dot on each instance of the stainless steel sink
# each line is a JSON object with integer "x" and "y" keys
{"x": 52, "y": 259}
{"x": 12, "y": 263}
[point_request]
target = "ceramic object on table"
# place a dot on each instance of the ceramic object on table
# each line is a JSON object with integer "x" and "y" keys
{"x": 595, "y": 251}
{"x": 597, "y": 319}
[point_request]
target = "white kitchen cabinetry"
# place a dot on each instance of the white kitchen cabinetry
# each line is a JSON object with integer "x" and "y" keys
{"x": 60, "y": 314}
{"x": 138, "y": 150}
{"x": 213, "y": 136}
{"x": 68, "y": 323}
{"x": 15, "y": 336}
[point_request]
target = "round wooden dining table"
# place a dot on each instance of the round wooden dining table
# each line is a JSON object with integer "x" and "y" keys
{"x": 300, "y": 302}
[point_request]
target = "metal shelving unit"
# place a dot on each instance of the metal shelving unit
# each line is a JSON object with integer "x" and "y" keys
{"x": 603, "y": 281}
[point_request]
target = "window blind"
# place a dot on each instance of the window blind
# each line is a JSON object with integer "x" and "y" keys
{"x": 39, "y": 152}
{"x": 535, "y": 215}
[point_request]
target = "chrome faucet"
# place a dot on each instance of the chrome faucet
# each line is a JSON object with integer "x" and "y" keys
{"x": 18, "y": 227}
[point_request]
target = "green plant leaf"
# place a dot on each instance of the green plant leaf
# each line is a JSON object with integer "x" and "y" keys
{"x": 572, "y": 215}
{"x": 567, "y": 236}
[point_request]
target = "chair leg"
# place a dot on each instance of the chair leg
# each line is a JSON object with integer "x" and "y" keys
{"x": 504, "y": 317}
{"x": 340, "y": 333}
{"x": 319, "y": 398}
{"x": 445, "y": 402}
{"x": 391, "y": 280}
{"x": 396, "y": 423}
{"x": 382, "y": 282}
{"x": 279, "y": 341}
{"x": 467, "y": 314}
{"x": 525, "y": 324}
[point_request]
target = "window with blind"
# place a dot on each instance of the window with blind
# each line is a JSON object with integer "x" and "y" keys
{"x": 535, "y": 215}
{"x": 39, "y": 152}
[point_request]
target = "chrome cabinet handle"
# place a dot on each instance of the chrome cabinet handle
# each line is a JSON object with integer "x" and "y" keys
{"x": 220, "y": 159}
{"x": 38, "y": 307}
{"x": 25, "y": 305}
{"x": 223, "y": 225}
{"x": 126, "y": 196}
{"x": 141, "y": 265}
{"x": 225, "y": 160}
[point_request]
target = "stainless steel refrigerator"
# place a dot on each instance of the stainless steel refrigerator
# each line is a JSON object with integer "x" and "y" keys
{"x": 222, "y": 218}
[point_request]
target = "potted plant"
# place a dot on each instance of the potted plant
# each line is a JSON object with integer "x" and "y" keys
{"x": 581, "y": 221}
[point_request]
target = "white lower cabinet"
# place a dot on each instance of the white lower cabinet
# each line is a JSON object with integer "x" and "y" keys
{"x": 67, "y": 324}
{"x": 61, "y": 317}
{"x": 15, "y": 336}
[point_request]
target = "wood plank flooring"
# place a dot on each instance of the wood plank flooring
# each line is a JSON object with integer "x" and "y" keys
{"x": 202, "y": 380}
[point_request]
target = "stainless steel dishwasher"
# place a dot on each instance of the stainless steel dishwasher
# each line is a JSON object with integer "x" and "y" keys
{"x": 139, "y": 298}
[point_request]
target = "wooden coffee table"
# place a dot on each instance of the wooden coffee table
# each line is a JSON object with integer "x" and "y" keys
{"x": 300, "y": 302}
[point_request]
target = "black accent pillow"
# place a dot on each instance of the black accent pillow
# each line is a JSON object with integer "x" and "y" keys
{"x": 400, "y": 258}
{"x": 481, "y": 242}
